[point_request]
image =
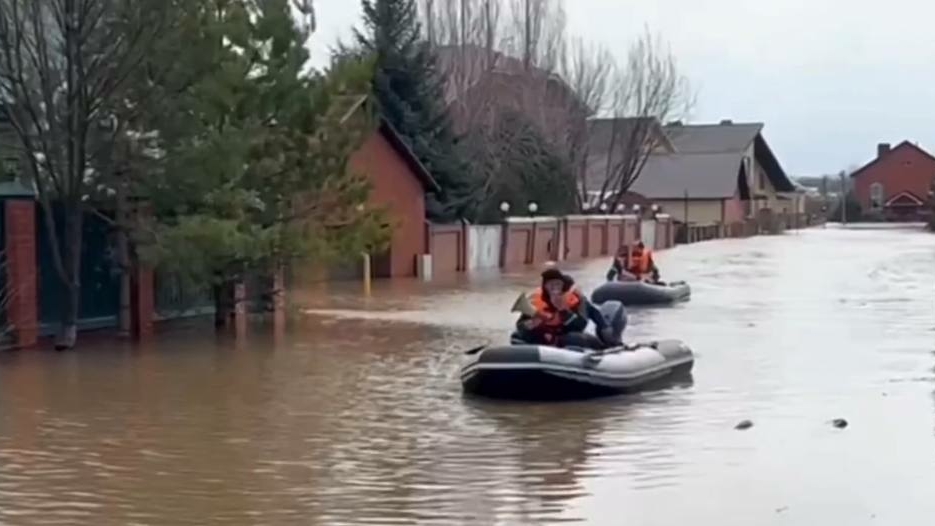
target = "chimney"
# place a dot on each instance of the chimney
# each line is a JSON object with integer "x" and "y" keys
{"x": 883, "y": 148}
{"x": 726, "y": 122}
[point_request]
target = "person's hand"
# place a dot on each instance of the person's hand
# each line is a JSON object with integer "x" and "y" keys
{"x": 532, "y": 323}
{"x": 559, "y": 302}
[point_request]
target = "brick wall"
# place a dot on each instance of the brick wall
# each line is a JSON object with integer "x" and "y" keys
{"x": 21, "y": 278}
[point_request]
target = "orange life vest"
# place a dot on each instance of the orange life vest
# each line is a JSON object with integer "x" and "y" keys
{"x": 550, "y": 317}
{"x": 641, "y": 262}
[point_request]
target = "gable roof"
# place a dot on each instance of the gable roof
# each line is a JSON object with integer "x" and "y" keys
{"x": 904, "y": 144}
{"x": 602, "y": 132}
{"x": 700, "y": 175}
{"x": 398, "y": 143}
{"x": 904, "y": 198}
{"x": 408, "y": 156}
{"x": 713, "y": 138}
{"x": 465, "y": 67}
{"x": 609, "y": 143}
{"x": 731, "y": 137}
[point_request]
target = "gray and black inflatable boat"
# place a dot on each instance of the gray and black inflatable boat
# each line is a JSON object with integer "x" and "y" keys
{"x": 641, "y": 293}
{"x": 544, "y": 372}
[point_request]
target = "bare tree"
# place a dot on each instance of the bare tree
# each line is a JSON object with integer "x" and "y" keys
{"x": 512, "y": 56}
{"x": 588, "y": 70}
{"x": 63, "y": 63}
{"x": 647, "y": 91}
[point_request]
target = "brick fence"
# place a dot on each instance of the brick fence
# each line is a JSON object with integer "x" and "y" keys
{"x": 526, "y": 241}
{"x": 21, "y": 237}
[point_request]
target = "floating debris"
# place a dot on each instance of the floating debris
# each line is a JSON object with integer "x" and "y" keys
{"x": 744, "y": 424}
{"x": 839, "y": 423}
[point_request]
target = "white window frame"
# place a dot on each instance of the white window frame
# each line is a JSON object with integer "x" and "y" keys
{"x": 876, "y": 196}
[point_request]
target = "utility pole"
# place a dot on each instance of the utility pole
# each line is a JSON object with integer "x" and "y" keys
{"x": 843, "y": 177}
{"x": 527, "y": 45}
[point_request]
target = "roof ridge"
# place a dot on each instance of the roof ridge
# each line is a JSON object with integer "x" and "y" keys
{"x": 715, "y": 125}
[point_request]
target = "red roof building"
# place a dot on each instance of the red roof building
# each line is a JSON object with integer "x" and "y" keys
{"x": 897, "y": 184}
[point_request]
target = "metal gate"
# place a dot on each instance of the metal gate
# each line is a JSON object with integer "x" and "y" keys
{"x": 648, "y": 232}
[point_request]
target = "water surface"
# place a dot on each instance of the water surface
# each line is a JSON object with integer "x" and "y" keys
{"x": 357, "y": 417}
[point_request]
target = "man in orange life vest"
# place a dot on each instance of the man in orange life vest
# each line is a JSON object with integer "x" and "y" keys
{"x": 561, "y": 309}
{"x": 637, "y": 265}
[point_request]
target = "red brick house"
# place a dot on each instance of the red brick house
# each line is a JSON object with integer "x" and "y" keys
{"x": 896, "y": 185}
{"x": 399, "y": 184}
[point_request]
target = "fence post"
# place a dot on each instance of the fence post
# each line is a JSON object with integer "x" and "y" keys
{"x": 19, "y": 209}
{"x": 366, "y": 273}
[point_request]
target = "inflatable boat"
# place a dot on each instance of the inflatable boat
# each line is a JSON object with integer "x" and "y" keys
{"x": 522, "y": 371}
{"x": 641, "y": 293}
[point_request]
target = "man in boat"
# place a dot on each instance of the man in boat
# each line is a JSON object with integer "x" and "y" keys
{"x": 637, "y": 265}
{"x": 561, "y": 309}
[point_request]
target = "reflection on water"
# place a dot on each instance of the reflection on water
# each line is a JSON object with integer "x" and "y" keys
{"x": 357, "y": 417}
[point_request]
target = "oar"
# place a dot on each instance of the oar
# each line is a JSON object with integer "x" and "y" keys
{"x": 475, "y": 350}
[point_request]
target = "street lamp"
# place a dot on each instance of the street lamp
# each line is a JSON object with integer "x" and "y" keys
{"x": 533, "y": 208}
{"x": 505, "y": 207}
{"x": 621, "y": 208}
{"x": 655, "y": 208}
{"x": 636, "y": 209}
{"x": 604, "y": 207}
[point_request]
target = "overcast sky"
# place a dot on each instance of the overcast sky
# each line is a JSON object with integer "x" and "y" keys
{"x": 829, "y": 78}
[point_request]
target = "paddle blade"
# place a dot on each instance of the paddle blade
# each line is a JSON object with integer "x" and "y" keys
{"x": 475, "y": 350}
{"x": 522, "y": 305}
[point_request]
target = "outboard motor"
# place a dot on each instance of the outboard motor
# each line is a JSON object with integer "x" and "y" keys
{"x": 615, "y": 321}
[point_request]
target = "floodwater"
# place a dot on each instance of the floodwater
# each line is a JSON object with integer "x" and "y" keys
{"x": 356, "y": 416}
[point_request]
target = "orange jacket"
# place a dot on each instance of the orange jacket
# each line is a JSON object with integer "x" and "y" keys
{"x": 550, "y": 316}
{"x": 641, "y": 262}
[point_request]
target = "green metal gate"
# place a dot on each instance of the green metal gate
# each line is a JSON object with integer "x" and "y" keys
{"x": 100, "y": 280}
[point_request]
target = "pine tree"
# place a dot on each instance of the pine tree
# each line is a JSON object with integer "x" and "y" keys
{"x": 410, "y": 95}
{"x": 255, "y": 170}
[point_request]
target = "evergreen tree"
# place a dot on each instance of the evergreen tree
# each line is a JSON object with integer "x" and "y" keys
{"x": 254, "y": 170}
{"x": 410, "y": 94}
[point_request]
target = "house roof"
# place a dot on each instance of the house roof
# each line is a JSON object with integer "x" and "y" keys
{"x": 904, "y": 198}
{"x": 731, "y": 137}
{"x": 904, "y": 144}
{"x": 464, "y": 67}
{"x": 608, "y": 143}
{"x": 408, "y": 156}
{"x": 397, "y": 142}
{"x": 712, "y": 138}
{"x": 602, "y": 132}
{"x": 700, "y": 175}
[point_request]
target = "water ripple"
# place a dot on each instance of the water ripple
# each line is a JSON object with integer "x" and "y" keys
{"x": 357, "y": 417}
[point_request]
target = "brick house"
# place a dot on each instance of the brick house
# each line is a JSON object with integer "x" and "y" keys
{"x": 896, "y": 185}
{"x": 399, "y": 182}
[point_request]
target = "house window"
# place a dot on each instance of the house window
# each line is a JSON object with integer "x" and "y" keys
{"x": 876, "y": 196}
{"x": 9, "y": 169}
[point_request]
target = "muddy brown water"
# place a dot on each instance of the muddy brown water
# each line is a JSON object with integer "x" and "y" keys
{"x": 356, "y": 416}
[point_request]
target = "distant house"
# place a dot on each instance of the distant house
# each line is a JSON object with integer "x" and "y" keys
{"x": 719, "y": 173}
{"x": 615, "y": 148}
{"x": 481, "y": 85}
{"x": 896, "y": 185}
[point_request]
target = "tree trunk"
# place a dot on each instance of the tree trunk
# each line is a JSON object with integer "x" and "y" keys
{"x": 223, "y": 304}
{"x": 124, "y": 316}
{"x": 68, "y": 335}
